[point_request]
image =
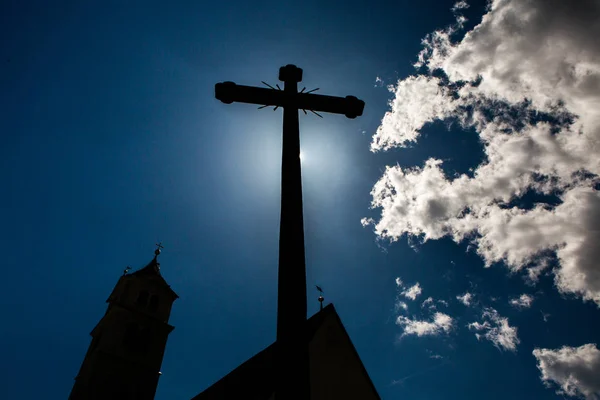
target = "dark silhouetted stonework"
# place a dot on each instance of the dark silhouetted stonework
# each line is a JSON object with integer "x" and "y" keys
{"x": 128, "y": 344}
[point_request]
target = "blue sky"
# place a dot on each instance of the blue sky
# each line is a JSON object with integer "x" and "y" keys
{"x": 112, "y": 140}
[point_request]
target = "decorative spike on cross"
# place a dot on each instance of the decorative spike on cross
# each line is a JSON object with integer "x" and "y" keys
{"x": 291, "y": 358}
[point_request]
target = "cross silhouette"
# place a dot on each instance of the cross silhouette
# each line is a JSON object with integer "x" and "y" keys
{"x": 292, "y": 362}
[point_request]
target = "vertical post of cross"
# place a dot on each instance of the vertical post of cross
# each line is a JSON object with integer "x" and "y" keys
{"x": 292, "y": 364}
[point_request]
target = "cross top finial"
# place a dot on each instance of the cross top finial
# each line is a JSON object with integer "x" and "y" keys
{"x": 290, "y": 73}
{"x": 321, "y": 298}
{"x": 159, "y": 246}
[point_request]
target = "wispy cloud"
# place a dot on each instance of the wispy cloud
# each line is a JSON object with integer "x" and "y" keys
{"x": 460, "y": 5}
{"x": 428, "y": 302}
{"x": 466, "y": 299}
{"x": 545, "y": 316}
{"x": 400, "y": 305}
{"x": 433, "y": 355}
{"x": 402, "y": 380}
{"x": 522, "y": 302}
{"x": 412, "y": 292}
{"x": 496, "y": 329}
{"x": 440, "y": 323}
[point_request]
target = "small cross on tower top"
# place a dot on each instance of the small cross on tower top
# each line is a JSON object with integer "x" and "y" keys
{"x": 159, "y": 246}
{"x": 321, "y": 298}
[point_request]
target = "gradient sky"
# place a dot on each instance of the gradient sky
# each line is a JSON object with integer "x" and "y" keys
{"x": 112, "y": 141}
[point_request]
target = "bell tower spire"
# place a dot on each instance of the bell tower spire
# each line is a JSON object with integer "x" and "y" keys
{"x": 123, "y": 361}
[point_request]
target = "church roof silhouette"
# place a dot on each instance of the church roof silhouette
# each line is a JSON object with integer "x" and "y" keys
{"x": 128, "y": 344}
{"x": 253, "y": 379}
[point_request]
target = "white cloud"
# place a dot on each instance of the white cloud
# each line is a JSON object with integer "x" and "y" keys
{"x": 428, "y": 302}
{"x": 545, "y": 316}
{"x": 466, "y": 299}
{"x": 413, "y": 292}
{"x": 460, "y": 5}
{"x": 533, "y": 273}
{"x": 576, "y": 370}
{"x": 399, "y": 282}
{"x": 496, "y": 329}
{"x": 521, "y": 302}
{"x": 401, "y": 305}
{"x": 551, "y": 66}
{"x": 433, "y": 355}
{"x": 418, "y": 100}
{"x": 440, "y": 323}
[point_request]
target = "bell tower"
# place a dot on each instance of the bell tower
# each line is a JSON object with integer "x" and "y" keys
{"x": 123, "y": 361}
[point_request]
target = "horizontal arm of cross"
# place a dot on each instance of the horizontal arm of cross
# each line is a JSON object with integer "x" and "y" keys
{"x": 349, "y": 106}
{"x": 229, "y": 92}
